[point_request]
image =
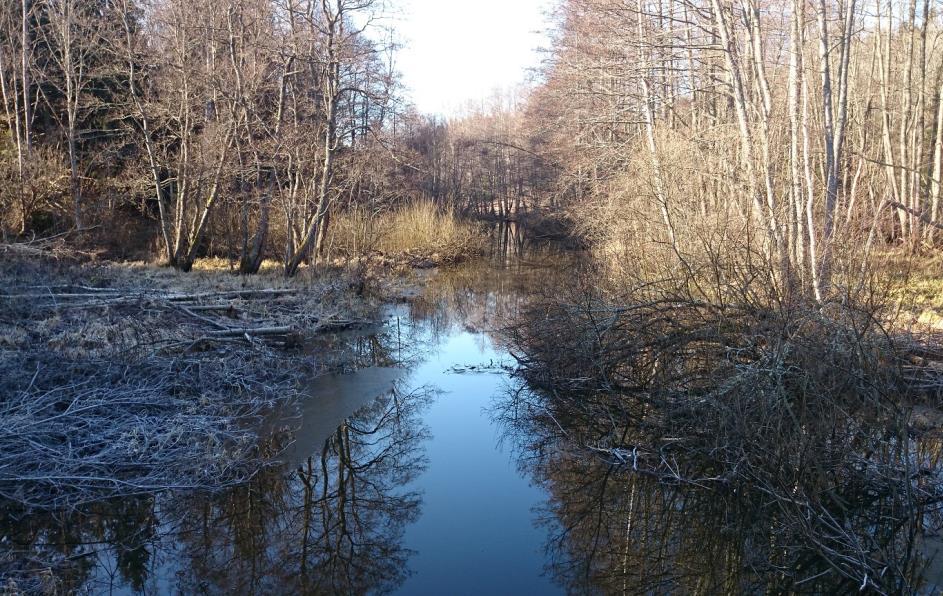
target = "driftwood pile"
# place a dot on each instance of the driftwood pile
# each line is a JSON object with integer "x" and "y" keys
{"x": 276, "y": 316}
{"x": 139, "y": 387}
{"x": 75, "y": 432}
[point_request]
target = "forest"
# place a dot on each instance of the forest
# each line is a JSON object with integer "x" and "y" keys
{"x": 745, "y": 324}
{"x": 175, "y": 131}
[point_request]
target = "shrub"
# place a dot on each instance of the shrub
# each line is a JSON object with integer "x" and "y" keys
{"x": 797, "y": 412}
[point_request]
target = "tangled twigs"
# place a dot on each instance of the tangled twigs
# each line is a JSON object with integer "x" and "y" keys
{"x": 803, "y": 415}
{"x": 264, "y": 314}
{"x": 140, "y": 387}
{"x": 130, "y": 384}
{"x": 55, "y": 247}
{"x": 75, "y": 432}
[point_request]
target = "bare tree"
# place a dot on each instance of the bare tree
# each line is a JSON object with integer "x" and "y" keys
{"x": 71, "y": 34}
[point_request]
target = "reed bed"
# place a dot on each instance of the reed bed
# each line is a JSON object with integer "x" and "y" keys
{"x": 415, "y": 233}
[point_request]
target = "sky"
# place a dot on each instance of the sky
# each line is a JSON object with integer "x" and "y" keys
{"x": 458, "y": 51}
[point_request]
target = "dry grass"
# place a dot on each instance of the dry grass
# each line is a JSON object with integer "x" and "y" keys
{"x": 912, "y": 286}
{"x": 102, "y": 356}
{"x": 218, "y": 264}
{"x": 418, "y": 231}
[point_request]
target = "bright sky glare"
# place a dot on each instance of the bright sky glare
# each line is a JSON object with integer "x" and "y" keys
{"x": 463, "y": 50}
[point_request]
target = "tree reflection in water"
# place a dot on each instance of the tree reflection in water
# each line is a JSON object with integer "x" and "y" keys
{"x": 58, "y": 553}
{"x": 617, "y": 527}
{"x": 333, "y": 525}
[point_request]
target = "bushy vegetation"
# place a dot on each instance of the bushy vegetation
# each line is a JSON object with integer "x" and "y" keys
{"x": 417, "y": 232}
{"x": 802, "y": 421}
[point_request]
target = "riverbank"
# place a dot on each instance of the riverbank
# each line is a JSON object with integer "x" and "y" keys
{"x": 434, "y": 362}
{"x": 121, "y": 380}
{"x": 411, "y": 462}
{"x": 814, "y": 425}
{"x": 125, "y": 363}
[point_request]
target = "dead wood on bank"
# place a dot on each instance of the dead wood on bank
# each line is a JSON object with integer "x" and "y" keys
{"x": 118, "y": 382}
{"x": 804, "y": 412}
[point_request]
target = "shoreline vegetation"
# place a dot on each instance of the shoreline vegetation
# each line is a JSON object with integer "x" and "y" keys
{"x": 179, "y": 367}
{"x": 755, "y": 186}
{"x": 132, "y": 378}
{"x": 128, "y": 379}
{"x": 138, "y": 349}
{"x": 814, "y": 429}
{"x": 416, "y": 234}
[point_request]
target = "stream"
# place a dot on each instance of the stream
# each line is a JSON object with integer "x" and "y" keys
{"x": 399, "y": 475}
{"x": 423, "y": 466}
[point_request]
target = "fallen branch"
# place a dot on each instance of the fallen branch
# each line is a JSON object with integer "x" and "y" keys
{"x": 90, "y": 430}
{"x": 213, "y": 308}
{"x": 341, "y": 325}
{"x": 921, "y": 216}
{"x": 114, "y": 294}
{"x": 258, "y": 331}
{"x": 200, "y": 317}
{"x": 232, "y": 294}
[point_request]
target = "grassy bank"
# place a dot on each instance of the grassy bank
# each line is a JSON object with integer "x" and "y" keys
{"x": 412, "y": 234}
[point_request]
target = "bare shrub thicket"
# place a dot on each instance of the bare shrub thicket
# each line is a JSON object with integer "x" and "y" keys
{"x": 735, "y": 167}
{"x": 33, "y": 198}
{"x": 238, "y": 129}
{"x": 809, "y": 415}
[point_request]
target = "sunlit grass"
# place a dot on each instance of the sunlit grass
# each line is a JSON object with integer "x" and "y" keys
{"x": 915, "y": 285}
{"x": 418, "y": 229}
{"x": 215, "y": 264}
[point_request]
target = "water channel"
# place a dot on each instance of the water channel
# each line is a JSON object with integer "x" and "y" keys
{"x": 414, "y": 470}
{"x": 398, "y": 476}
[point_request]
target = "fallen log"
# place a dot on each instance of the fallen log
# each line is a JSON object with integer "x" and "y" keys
{"x": 259, "y": 331}
{"x": 331, "y": 326}
{"x": 114, "y": 295}
{"x": 228, "y": 295}
{"x": 919, "y": 215}
{"x": 213, "y": 308}
{"x": 57, "y": 296}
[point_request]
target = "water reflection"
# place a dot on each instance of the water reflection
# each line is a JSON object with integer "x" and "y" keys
{"x": 482, "y": 296}
{"x": 333, "y": 519}
{"x": 332, "y": 525}
{"x": 58, "y": 553}
{"x": 617, "y": 525}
